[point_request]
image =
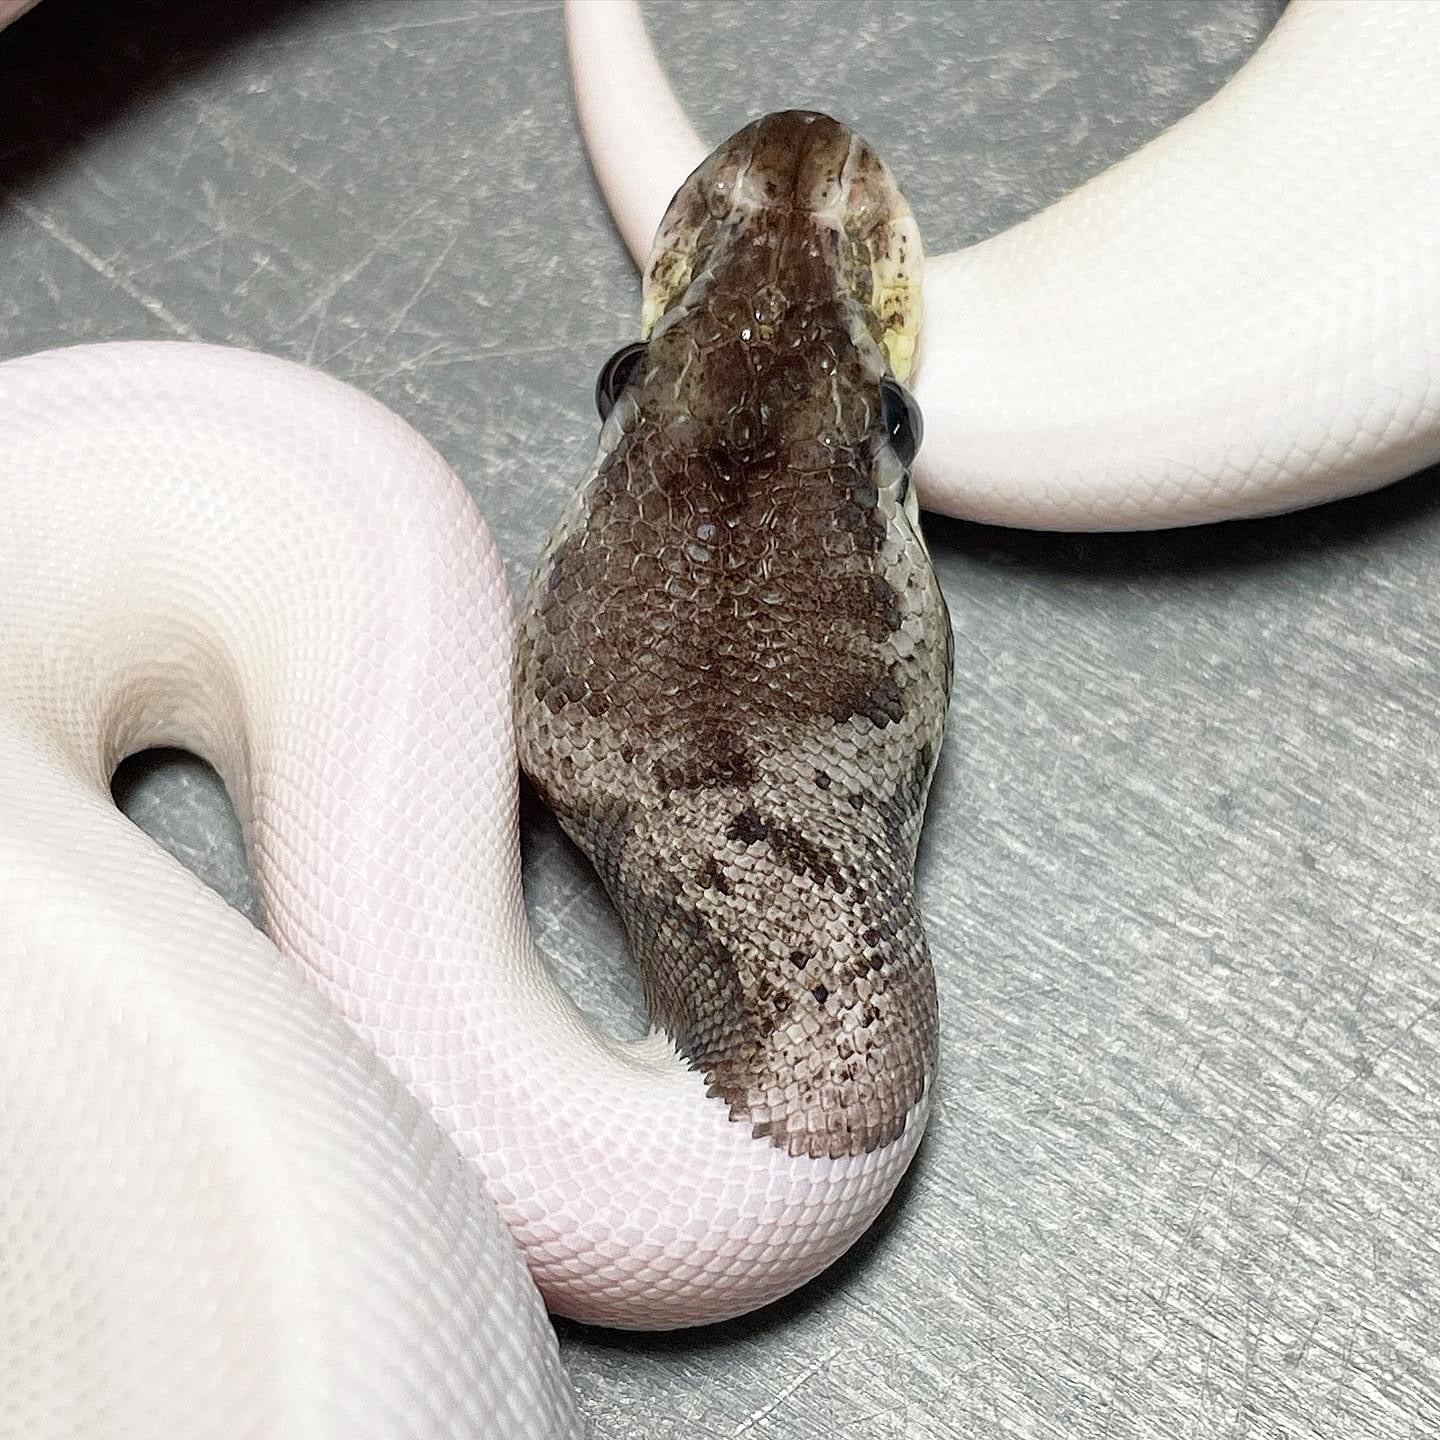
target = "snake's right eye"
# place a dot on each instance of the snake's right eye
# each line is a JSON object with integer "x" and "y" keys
{"x": 900, "y": 416}
{"x": 615, "y": 374}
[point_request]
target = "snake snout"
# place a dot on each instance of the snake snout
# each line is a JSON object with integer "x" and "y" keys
{"x": 805, "y": 189}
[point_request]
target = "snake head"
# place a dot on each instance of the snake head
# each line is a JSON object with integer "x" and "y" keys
{"x": 846, "y": 206}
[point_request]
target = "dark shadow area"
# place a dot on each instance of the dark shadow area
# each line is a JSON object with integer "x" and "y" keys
{"x": 182, "y": 804}
{"x": 137, "y": 772}
{"x": 774, "y": 1316}
{"x": 72, "y": 68}
{"x": 611, "y": 993}
{"x": 535, "y": 815}
{"x": 1227, "y": 547}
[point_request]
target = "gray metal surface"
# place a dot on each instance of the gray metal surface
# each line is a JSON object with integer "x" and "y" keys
{"x": 1179, "y": 868}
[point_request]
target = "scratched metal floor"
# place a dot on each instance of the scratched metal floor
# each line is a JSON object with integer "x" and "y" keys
{"x": 1179, "y": 868}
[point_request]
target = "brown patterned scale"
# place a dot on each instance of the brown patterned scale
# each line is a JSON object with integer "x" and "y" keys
{"x": 734, "y": 659}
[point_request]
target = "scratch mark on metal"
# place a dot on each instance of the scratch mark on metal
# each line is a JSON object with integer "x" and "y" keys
{"x": 771, "y": 1406}
{"x": 49, "y": 226}
{"x": 431, "y": 270}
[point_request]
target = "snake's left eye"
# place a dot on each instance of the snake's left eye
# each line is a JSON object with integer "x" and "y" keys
{"x": 900, "y": 416}
{"x": 615, "y": 374}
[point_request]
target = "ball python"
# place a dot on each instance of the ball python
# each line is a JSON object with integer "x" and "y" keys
{"x": 281, "y": 1227}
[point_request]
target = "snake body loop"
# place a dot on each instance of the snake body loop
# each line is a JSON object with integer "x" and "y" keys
{"x": 231, "y": 554}
{"x": 1240, "y": 318}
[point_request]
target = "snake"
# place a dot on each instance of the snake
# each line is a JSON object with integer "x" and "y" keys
{"x": 326, "y": 1179}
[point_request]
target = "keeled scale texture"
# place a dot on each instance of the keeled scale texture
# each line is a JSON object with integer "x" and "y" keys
{"x": 734, "y": 659}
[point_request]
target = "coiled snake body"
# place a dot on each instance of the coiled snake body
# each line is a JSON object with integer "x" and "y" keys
{"x": 732, "y": 684}
{"x": 219, "y": 1214}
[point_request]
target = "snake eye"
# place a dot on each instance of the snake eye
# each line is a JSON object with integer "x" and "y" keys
{"x": 900, "y": 416}
{"x": 615, "y": 374}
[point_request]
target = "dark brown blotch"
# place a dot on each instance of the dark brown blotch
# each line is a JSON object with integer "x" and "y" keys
{"x": 747, "y": 827}
{"x": 804, "y": 857}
